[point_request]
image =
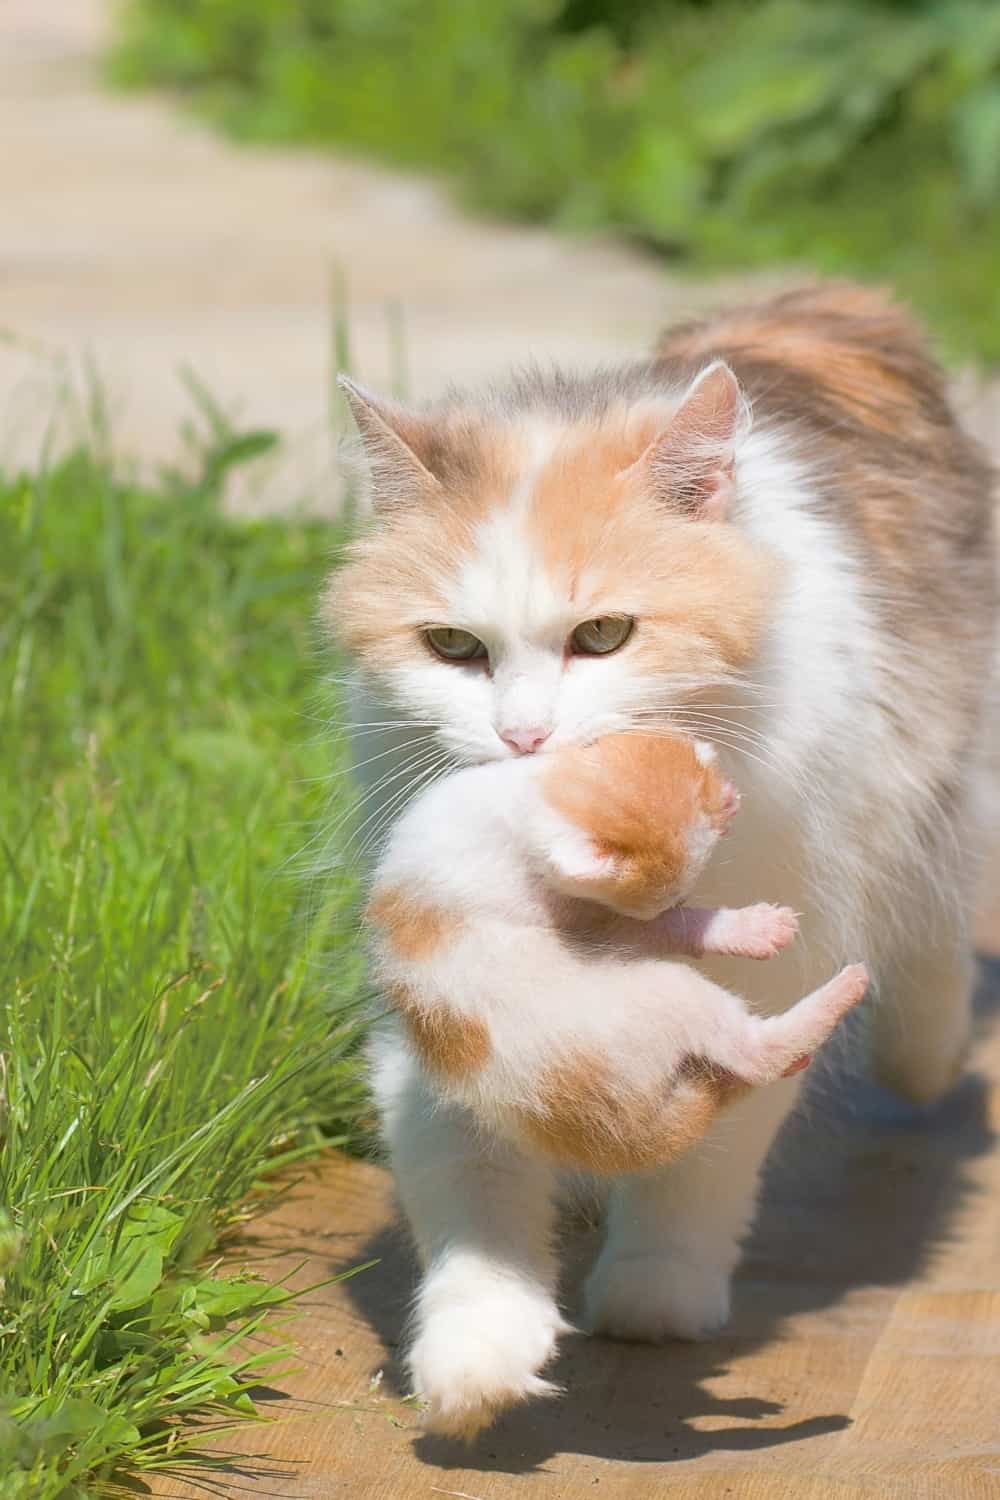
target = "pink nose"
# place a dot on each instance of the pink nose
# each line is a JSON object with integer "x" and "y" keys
{"x": 525, "y": 741}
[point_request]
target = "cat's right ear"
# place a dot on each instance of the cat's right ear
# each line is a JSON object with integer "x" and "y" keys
{"x": 692, "y": 463}
{"x": 397, "y": 446}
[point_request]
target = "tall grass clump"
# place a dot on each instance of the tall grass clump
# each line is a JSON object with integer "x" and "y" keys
{"x": 176, "y": 1024}
{"x": 839, "y": 134}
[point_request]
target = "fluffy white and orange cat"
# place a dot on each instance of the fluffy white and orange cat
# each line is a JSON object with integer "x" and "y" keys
{"x": 774, "y": 536}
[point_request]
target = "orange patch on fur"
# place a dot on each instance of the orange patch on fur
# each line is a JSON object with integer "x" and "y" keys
{"x": 585, "y": 1120}
{"x": 852, "y": 341}
{"x": 713, "y": 595}
{"x": 701, "y": 591}
{"x": 446, "y": 1042}
{"x": 637, "y": 797}
{"x": 411, "y": 928}
{"x": 582, "y": 489}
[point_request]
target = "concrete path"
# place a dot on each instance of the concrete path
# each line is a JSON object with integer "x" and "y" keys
{"x": 134, "y": 236}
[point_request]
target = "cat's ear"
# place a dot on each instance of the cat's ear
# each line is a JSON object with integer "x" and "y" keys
{"x": 691, "y": 463}
{"x": 397, "y": 446}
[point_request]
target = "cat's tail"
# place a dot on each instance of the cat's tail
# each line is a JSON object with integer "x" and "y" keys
{"x": 785, "y": 1044}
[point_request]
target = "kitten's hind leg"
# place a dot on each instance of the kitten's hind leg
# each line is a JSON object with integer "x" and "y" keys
{"x": 782, "y": 1045}
{"x": 485, "y": 1319}
{"x": 922, "y": 1020}
{"x": 674, "y": 1232}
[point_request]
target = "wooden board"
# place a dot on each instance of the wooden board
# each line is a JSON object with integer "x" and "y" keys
{"x": 863, "y": 1359}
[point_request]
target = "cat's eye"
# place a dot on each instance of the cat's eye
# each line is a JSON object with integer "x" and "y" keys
{"x": 601, "y": 636}
{"x": 454, "y": 645}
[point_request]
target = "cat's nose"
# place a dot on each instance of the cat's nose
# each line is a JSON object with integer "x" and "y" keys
{"x": 525, "y": 741}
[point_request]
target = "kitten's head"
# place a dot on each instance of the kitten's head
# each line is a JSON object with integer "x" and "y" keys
{"x": 553, "y": 563}
{"x": 631, "y": 820}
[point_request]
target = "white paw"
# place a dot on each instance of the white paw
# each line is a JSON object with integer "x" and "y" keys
{"x": 656, "y": 1297}
{"x": 476, "y": 1355}
{"x": 765, "y": 930}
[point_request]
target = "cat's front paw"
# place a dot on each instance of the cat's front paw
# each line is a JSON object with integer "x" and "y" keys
{"x": 655, "y": 1297}
{"x": 475, "y": 1357}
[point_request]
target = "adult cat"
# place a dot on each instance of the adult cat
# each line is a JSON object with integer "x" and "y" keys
{"x": 774, "y": 536}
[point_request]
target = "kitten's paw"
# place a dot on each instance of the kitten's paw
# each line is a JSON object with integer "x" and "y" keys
{"x": 764, "y": 930}
{"x": 475, "y": 1357}
{"x": 652, "y": 1298}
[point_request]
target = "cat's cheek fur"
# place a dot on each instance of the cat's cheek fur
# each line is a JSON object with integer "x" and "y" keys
{"x": 456, "y": 698}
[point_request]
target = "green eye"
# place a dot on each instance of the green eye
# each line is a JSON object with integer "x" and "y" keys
{"x": 454, "y": 645}
{"x": 601, "y": 636}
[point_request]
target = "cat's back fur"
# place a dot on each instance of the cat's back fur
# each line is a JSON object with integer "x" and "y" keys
{"x": 850, "y": 373}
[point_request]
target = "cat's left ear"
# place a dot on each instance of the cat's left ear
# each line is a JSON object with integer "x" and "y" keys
{"x": 398, "y": 446}
{"x": 691, "y": 463}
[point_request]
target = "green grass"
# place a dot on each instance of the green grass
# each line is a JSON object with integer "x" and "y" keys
{"x": 179, "y": 1006}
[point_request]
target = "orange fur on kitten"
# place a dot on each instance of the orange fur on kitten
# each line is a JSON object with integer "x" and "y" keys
{"x": 643, "y": 801}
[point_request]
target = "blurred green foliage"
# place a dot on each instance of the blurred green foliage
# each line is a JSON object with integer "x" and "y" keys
{"x": 841, "y": 135}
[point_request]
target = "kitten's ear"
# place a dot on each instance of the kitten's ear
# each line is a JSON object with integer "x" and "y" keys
{"x": 692, "y": 462}
{"x": 576, "y": 863}
{"x": 397, "y": 444}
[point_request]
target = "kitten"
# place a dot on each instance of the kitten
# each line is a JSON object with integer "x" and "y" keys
{"x": 539, "y": 995}
{"x": 772, "y": 535}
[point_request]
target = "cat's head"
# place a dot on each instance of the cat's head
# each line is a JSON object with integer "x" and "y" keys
{"x": 553, "y": 563}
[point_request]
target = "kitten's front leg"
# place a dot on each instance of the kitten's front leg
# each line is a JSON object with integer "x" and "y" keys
{"x": 485, "y": 1319}
{"x": 760, "y": 931}
{"x": 673, "y": 1234}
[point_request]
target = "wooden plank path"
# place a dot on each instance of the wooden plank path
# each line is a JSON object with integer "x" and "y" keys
{"x": 863, "y": 1359}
